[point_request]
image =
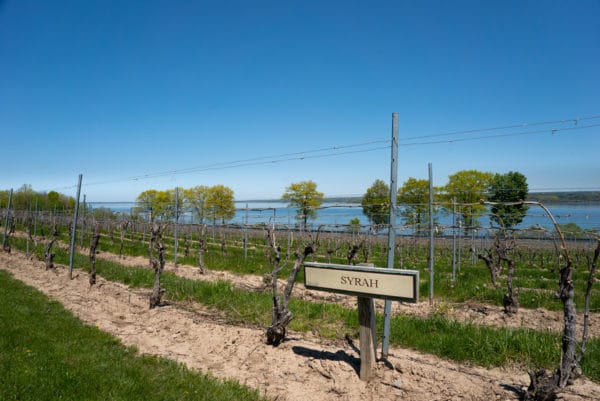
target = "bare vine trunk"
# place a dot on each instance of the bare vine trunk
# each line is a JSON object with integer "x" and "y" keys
{"x": 123, "y": 230}
{"x": 29, "y": 226}
{"x": 6, "y": 244}
{"x": 158, "y": 265}
{"x": 354, "y": 250}
{"x": 569, "y": 366}
{"x": 186, "y": 245}
{"x": 93, "y": 246}
{"x": 201, "y": 249}
{"x": 493, "y": 267}
{"x": 545, "y": 386}
{"x": 510, "y": 301}
{"x": 281, "y": 314}
{"x": 592, "y": 266}
{"x": 494, "y": 258}
{"x": 223, "y": 247}
{"x": 112, "y": 233}
{"x": 48, "y": 255}
{"x": 331, "y": 249}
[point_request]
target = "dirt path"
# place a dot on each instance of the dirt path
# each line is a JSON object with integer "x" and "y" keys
{"x": 302, "y": 368}
{"x": 478, "y": 313}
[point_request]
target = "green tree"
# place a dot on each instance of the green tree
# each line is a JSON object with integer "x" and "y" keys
{"x": 509, "y": 187}
{"x": 376, "y": 203}
{"x": 413, "y": 197}
{"x": 153, "y": 203}
{"x": 305, "y": 197}
{"x": 195, "y": 198}
{"x": 168, "y": 199}
{"x": 104, "y": 214}
{"x": 354, "y": 226}
{"x": 572, "y": 231}
{"x": 53, "y": 200}
{"x": 4, "y": 198}
{"x": 146, "y": 203}
{"x": 24, "y": 197}
{"x": 220, "y": 203}
{"x": 468, "y": 187}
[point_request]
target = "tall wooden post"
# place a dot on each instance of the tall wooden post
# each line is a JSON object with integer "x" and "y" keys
{"x": 368, "y": 340}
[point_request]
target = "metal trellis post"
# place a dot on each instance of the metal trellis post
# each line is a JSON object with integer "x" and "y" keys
{"x": 74, "y": 228}
{"x": 176, "y": 224}
{"x": 6, "y": 222}
{"x": 82, "y": 223}
{"x": 453, "y": 240}
{"x": 391, "y": 231}
{"x": 431, "y": 235}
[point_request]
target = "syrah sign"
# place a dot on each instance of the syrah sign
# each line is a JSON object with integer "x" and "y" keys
{"x": 373, "y": 282}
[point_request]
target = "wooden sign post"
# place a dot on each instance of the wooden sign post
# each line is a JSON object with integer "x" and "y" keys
{"x": 367, "y": 283}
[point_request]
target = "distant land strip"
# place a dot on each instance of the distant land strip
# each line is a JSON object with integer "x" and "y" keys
{"x": 543, "y": 197}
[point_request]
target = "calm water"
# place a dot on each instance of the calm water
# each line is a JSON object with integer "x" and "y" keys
{"x": 586, "y": 216}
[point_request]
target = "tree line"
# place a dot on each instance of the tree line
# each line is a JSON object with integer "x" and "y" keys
{"x": 466, "y": 189}
{"x": 214, "y": 203}
{"x": 26, "y": 198}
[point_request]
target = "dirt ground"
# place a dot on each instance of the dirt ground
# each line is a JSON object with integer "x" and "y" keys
{"x": 302, "y": 368}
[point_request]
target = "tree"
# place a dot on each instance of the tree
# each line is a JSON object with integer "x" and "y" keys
{"x": 469, "y": 188}
{"x": 104, "y": 214}
{"x": 196, "y": 200}
{"x": 376, "y": 203}
{"x": 157, "y": 204}
{"x": 24, "y": 197}
{"x": 4, "y": 198}
{"x": 146, "y": 202}
{"x": 354, "y": 225}
{"x": 305, "y": 197}
{"x": 414, "y": 198}
{"x": 54, "y": 200}
{"x": 169, "y": 200}
{"x": 509, "y": 187}
{"x": 220, "y": 202}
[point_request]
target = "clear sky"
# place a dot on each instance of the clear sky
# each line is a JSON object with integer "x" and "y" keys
{"x": 120, "y": 89}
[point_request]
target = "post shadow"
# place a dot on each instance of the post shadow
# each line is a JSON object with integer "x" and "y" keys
{"x": 339, "y": 356}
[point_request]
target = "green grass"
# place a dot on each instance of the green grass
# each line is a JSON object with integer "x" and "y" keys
{"x": 48, "y": 354}
{"x": 472, "y": 282}
{"x": 464, "y": 342}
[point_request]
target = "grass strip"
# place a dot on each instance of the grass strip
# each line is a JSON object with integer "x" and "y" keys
{"x": 48, "y": 354}
{"x": 472, "y": 283}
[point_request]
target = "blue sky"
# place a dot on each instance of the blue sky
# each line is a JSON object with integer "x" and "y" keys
{"x": 115, "y": 89}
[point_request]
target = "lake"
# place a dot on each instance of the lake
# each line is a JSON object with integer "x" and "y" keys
{"x": 337, "y": 216}
{"x": 586, "y": 216}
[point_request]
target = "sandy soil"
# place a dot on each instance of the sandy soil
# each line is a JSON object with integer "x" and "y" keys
{"x": 303, "y": 368}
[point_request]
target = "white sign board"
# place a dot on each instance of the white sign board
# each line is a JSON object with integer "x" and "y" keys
{"x": 374, "y": 282}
